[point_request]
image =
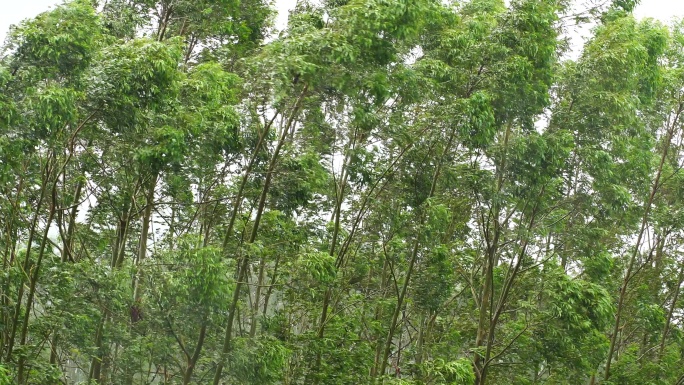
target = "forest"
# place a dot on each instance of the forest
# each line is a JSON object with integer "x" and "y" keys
{"x": 395, "y": 192}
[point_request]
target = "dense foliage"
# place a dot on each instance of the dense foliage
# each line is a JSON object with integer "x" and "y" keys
{"x": 385, "y": 192}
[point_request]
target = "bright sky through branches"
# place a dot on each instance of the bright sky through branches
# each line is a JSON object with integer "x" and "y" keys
{"x": 15, "y": 11}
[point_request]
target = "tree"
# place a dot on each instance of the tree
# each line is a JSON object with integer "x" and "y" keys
{"x": 386, "y": 191}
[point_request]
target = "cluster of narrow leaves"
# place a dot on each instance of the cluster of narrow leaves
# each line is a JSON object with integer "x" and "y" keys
{"x": 386, "y": 192}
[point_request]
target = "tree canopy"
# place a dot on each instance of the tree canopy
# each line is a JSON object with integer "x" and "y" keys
{"x": 399, "y": 192}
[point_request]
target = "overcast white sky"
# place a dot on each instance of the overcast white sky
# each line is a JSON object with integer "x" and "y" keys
{"x": 13, "y": 11}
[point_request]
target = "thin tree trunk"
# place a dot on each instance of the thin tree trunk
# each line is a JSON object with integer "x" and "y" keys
{"x": 122, "y": 236}
{"x": 487, "y": 297}
{"x": 67, "y": 255}
{"x": 376, "y": 317}
{"x": 668, "y": 320}
{"x": 144, "y": 235}
{"x": 32, "y": 287}
{"x": 10, "y": 251}
{"x": 257, "y": 296}
{"x": 192, "y": 361}
{"x": 118, "y": 254}
{"x": 27, "y": 262}
{"x": 244, "y": 266}
{"x": 267, "y": 297}
{"x": 96, "y": 364}
{"x": 414, "y": 258}
{"x": 142, "y": 255}
{"x": 635, "y": 252}
{"x": 487, "y": 294}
